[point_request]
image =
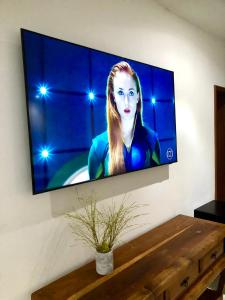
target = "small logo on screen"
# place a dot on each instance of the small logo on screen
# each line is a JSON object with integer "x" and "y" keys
{"x": 169, "y": 153}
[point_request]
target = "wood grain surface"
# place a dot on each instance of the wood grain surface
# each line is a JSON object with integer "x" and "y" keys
{"x": 161, "y": 264}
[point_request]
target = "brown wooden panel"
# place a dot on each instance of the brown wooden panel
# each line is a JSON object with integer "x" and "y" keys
{"x": 211, "y": 256}
{"x": 219, "y": 94}
{"x": 195, "y": 291}
{"x": 182, "y": 283}
{"x": 152, "y": 266}
{"x": 65, "y": 287}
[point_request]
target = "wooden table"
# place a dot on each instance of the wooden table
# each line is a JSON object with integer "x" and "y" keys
{"x": 176, "y": 260}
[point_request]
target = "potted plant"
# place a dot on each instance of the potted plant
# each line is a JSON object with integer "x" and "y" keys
{"x": 101, "y": 228}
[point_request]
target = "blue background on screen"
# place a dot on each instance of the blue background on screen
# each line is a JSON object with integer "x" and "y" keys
{"x": 64, "y": 121}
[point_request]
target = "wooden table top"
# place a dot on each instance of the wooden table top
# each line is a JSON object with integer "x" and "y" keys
{"x": 145, "y": 266}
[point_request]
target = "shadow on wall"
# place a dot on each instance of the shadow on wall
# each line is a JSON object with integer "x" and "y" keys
{"x": 65, "y": 200}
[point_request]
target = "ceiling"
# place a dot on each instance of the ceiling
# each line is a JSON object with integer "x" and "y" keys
{"x": 209, "y": 15}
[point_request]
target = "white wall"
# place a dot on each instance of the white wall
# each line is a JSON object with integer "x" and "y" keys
{"x": 36, "y": 245}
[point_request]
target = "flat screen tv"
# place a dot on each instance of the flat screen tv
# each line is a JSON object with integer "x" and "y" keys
{"x": 92, "y": 114}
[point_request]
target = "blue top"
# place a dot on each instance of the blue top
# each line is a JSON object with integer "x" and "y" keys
{"x": 143, "y": 153}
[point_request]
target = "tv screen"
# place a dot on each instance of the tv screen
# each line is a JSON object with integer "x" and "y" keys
{"x": 92, "y": 114}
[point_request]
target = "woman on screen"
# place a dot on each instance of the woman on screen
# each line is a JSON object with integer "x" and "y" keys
{"x": 127, "y": 145}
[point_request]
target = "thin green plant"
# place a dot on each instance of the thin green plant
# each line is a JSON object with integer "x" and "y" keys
{"x": 101, "y": 228}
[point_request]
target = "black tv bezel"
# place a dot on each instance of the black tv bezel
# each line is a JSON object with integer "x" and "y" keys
{"x": 28, "y": 116}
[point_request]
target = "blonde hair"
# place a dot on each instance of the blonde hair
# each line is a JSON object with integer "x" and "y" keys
{"x": 116, "y": 158}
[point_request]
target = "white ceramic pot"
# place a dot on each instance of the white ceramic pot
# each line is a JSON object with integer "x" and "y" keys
{"x": 104, "y": 263}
